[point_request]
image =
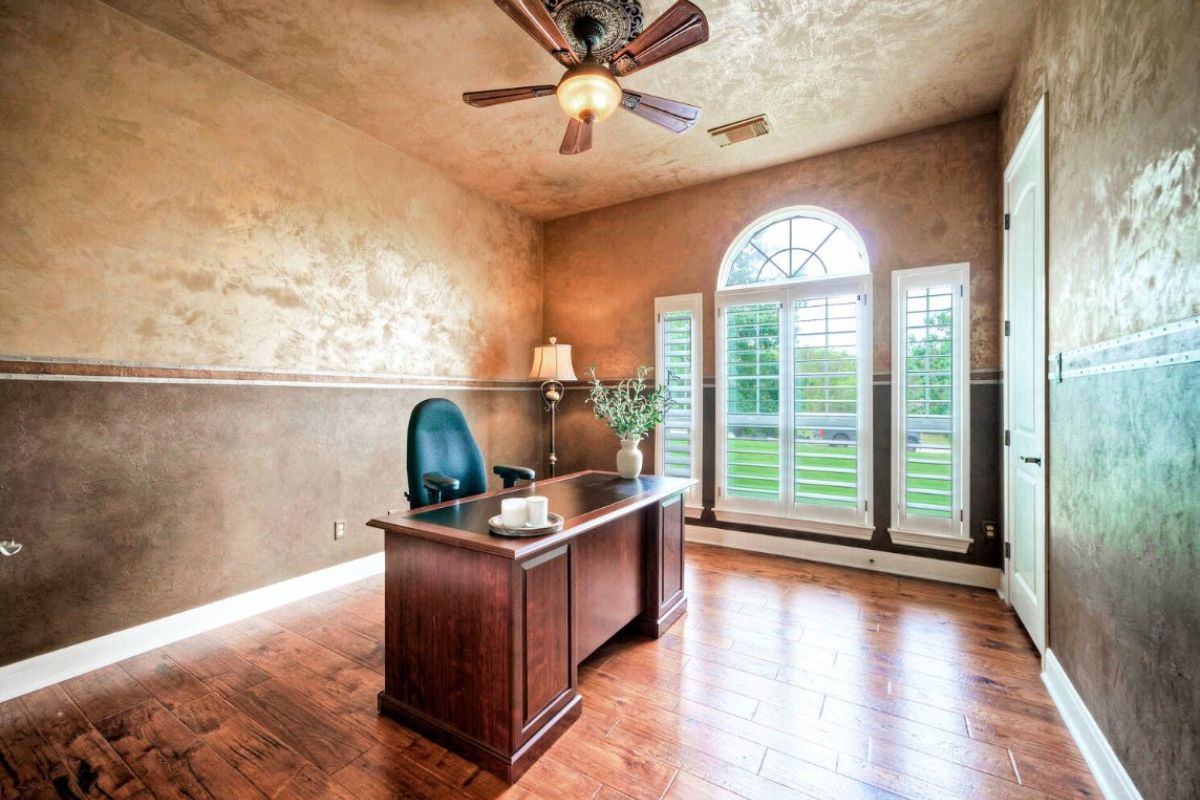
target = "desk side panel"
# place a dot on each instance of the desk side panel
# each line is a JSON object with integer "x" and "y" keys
{"x": 449, "y": 637}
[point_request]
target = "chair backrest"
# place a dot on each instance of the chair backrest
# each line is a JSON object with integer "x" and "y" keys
{"x": 439, "y": 440}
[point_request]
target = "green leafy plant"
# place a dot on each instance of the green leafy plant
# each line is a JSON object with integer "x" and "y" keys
{"x": 628, "y": 408}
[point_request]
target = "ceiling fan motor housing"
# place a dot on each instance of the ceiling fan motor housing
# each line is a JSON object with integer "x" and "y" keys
{"x": 598, "y": 27}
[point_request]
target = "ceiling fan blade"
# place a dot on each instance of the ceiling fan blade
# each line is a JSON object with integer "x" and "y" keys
{"x": 673, "y": 115}
{"x": 494, "y": 97}
{"x": 578, "y": 138}
{"x": 681, "y": 26}
{"x": 533, "y": 17}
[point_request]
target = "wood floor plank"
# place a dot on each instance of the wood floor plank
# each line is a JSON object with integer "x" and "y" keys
{"x": 262, "y": 758}
{"x": 817, "y": 781}
{"x": 96, "y": 770}
{"x": 210, "y": 661}
{"x": 786, "y": 680}
{"x": 171, "y": 760}
{"x": 964, "y": 781}
{"x": 164, "y": 678}
{"x": 321, "y": 737}
{"x": 27, "y": 759}
{"x": 105, "y": 691}
{"x": 381, "y": 773}
{"x": 640, "y": 777}
{"x": 309, "y": 783}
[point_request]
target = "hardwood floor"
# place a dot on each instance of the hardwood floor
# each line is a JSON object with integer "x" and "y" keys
{"x": 786, "y": 679}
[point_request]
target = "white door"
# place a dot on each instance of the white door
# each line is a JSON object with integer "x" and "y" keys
{"x": 1025, "y": 377}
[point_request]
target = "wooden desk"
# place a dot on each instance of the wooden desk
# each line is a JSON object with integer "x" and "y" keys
{"x": 484, "y": 634}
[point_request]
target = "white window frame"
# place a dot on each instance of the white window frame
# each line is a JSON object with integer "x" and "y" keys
{"x": 693, "y": 303}
{"x": 952, "y": 534}
{"x": 785, "y": 513}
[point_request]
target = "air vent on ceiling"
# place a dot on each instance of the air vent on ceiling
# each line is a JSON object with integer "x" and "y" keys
{"x": 741, "y": 131}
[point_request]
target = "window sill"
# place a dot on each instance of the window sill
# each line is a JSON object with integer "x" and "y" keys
{"x": 930, "y": 541}
{"x": 846, "y": 530}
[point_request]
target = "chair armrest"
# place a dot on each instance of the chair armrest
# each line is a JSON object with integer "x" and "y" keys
{"x": 437, "y": 483}
{"x": 510, "y": 475}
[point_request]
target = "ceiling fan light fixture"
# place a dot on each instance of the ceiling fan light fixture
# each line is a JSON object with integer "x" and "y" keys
{"x": 588, "y": 92}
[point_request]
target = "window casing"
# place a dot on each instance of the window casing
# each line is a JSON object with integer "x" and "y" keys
{"x": 679, "y": 363}
{"x": 931, "y": 407}
{"x": 794, "y": 378}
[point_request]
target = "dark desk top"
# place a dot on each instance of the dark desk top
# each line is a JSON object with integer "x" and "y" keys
{"x": 585, "y": 500}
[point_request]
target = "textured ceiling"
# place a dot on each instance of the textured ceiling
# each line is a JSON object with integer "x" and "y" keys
{"x": 829, "y": 73}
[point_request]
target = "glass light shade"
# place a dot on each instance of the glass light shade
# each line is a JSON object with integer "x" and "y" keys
{"x": 588, "y": 92}
{"x": 552, "y": 362}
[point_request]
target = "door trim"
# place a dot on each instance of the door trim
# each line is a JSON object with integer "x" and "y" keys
{"x": 1034, "y": 134}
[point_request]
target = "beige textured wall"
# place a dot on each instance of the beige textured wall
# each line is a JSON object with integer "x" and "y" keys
{"x": 157, "y": 205}
{"x": 918, "y": 200}
{"x": 1123, "y": 134}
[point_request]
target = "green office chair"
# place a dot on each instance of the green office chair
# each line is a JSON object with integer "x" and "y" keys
{"x": 444, "y": 463}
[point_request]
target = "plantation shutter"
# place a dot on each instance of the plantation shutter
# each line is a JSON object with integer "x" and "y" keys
{"x": 752, "y": 401}
{"x": 825, "y": 402}
{"x": 678, "y": 366}
{"x": 930, "y": 405}
{"x": 929, "y": 402}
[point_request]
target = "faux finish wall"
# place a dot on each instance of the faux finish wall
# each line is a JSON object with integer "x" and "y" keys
{"x": 1123, "y": 132}
{"x": 160, "y": 207}
{"x": 918, "y": 200}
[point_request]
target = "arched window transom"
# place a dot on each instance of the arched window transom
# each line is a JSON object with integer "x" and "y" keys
{"x": 796, "y": 245}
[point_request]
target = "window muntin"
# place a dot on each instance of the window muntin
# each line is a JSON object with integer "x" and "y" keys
{"x": 930, "y": 407}
{"x": 798, "y": 244}
{"x": 680, "y": 366}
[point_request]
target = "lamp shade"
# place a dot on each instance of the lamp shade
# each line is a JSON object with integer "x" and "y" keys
{"x": 552, "y": 362}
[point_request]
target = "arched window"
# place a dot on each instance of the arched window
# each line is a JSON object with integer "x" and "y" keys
{"x": 794, "y": 245}
{"x": 794, "y": 376}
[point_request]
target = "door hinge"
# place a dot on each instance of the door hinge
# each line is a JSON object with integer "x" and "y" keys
{"x": 1007, "y": 550}
{"x": 720, "y": 491}
{"x": 1007, "y": 438}
{"x": 962, "y": 290}
{"x": 866, "y": 505}
{"x": 1007, "y": 221}
{"x": 960, "y": 515}
{"x": 1007, "y": 327}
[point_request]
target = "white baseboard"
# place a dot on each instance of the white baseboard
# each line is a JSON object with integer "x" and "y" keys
{"x": 40, "y": 671}
{"x": 1111, "y": 776}
{"x": 842, "y": 555}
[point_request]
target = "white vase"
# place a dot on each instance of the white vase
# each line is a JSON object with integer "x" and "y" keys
{"x": 629, "y": 459}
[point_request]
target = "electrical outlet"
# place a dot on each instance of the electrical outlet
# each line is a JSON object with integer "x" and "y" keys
{"x": 339, "y": 529}
{"x": 989, "y": 529}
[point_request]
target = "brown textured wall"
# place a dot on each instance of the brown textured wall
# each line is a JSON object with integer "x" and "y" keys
{"x": 157, "y": 205}
{"x": 139, "y": 500}
{"x": 918, "y": 200}
{"x": 1123, "y": 133}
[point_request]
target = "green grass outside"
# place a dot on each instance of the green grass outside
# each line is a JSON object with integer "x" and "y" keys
{"x": 817, "y": 463}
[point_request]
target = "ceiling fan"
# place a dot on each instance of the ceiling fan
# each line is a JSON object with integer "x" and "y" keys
{"x": 599, "y": 41}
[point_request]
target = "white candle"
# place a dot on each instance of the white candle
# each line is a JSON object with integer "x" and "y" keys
{"x": 513, "y": 512}
{"x": 539, "y": 510}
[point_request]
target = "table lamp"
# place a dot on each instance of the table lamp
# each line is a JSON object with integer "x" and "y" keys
{"x": 552, "y": 366}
